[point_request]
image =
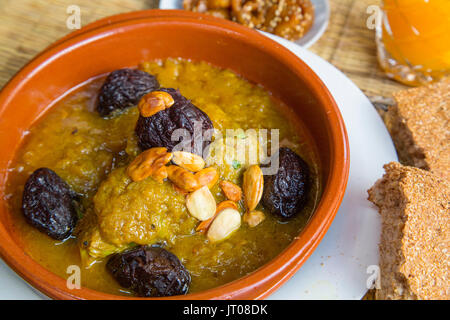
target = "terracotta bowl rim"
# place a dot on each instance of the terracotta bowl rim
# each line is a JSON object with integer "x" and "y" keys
{"x": 278, "y": 270}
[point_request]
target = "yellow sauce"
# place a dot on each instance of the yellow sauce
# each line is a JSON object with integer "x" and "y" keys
{"x": 83, "y": 149}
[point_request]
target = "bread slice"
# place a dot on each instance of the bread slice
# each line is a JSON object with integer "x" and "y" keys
{"x": 415, "y": 242}
{"x": 419, "y": 125}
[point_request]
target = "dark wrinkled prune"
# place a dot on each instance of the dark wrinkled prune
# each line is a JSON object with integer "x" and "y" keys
{"x": 150, "y": 272}
{"x": 156, "y": 131}
{"x": 124, "y": 88}
{"x": 48, "y": 204}
{"x": 286, "y": 191}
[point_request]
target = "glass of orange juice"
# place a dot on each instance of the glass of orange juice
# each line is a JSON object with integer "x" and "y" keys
{"x": 413, "y": 40}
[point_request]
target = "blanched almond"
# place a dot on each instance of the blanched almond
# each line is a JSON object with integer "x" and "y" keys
{"x": 224, "y": 224}
{"x": 253, "y": 186}
{"x": 201, "y": 204}
{"x": 254, "y": 218}
{"x": 231, "y": 191}
{"x": 207, "y": 177}
{"x": 204, "y": 225}
{"x": 182, "y": 178}
{"x": 188, "y": 160}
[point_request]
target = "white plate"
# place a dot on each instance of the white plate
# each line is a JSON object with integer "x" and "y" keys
{"x": 338, "y": 267}
{"x": 321, "y": 17}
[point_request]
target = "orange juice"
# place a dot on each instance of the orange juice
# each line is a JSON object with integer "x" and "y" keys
{"x": 414, "y": 40}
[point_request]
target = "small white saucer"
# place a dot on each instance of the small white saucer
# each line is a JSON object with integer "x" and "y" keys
{"x": 321, "y": 17}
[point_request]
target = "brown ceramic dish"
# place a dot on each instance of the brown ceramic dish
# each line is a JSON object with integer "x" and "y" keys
{"x": 125, "y": 40}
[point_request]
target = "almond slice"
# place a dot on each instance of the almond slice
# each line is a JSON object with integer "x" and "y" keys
{"x": 253, "y": 186}
{"x": 189, "y": 161}
{"x": 201, "y": 204}
{"x": 179, "y": 190}
{"x": 207, "y": 177}
{"x": 204, "y": 225}
{"x": 182, "y": 178}
{"x": 231, "y": 191}
{"x": 154, "y": 102}
{"x": 254, "y": 218}
{"x": 224, "y": 224}
{"x": 152, "y": 163}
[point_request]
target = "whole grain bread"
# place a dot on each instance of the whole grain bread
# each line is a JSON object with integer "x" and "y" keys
{"x": 419, "y": 125}
{"x": 415, "y": 242}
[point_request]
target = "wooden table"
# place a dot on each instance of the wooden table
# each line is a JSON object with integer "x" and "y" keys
{"x": 29, "y": 26}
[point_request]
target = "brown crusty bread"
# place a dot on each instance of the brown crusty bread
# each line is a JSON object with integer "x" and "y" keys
{"x": 419, "y": 125}
{"x": 415, "y": 241}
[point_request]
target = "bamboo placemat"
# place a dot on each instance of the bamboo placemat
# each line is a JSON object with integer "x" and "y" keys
{"x": 29, "y": 26}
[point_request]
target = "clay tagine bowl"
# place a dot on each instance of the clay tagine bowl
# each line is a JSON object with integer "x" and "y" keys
{"x": 127, "y": 39}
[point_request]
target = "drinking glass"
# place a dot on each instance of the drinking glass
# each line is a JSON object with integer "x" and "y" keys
{"x": 413, "y": 40}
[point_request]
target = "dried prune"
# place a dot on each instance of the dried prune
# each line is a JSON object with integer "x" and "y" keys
{"x": 48, "y": 204}
{"x": 285, "y": 192}
{"x": 150, "y": 272}
{"x": 124, "y": 88}
{"x": 157, "y": 130}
